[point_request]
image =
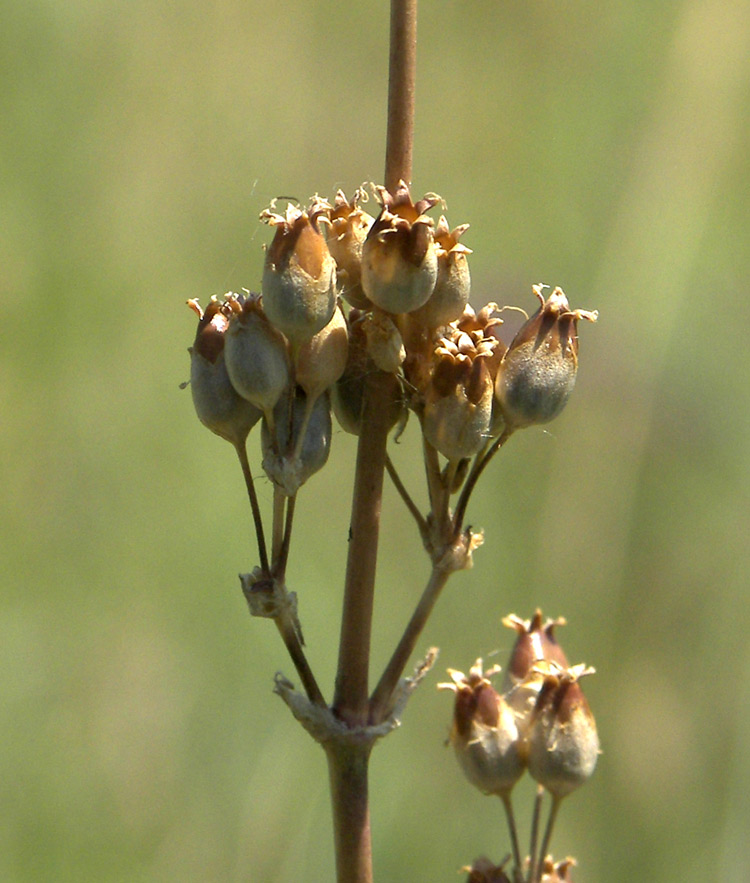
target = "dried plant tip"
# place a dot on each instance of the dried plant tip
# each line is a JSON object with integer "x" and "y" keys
{"x": 484, "y": 734}
{"x": 538, "y": 371}
{"x": 563, "y": 741}
{"x": 217, "y": 404}
{"x": 399, "y": 256}
{"x": 299, "y": 276}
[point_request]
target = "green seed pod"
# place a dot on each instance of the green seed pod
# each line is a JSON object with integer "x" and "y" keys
{"x": 216, "y": 402}
{"x": 538, "y": 371}
{"x": 256, "y": 355}
{"x": 299, "y": 276}
{"x": 399, "y": 257}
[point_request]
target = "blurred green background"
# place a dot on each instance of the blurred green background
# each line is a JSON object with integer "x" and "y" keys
{"x": 599, "y": 146}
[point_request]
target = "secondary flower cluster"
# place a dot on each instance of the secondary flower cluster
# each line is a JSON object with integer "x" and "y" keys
{"x": 289, "y": 354}
{"x": 540, "y": 721}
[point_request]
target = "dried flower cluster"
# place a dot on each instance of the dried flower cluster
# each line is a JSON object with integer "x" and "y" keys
{"x": 540, "y": 722}
{"x": 293, "y": 353}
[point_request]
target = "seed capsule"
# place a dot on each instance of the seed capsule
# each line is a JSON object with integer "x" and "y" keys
{"x": 346, "y": 234}
{"x": 399, "y": 258}
{"x": 484, "y": 734}
{"x": 291, "y": 457}
{"x": 299, "y": 276}
{"x": 451, "y": 293}
{"x": 563, "y": 742}
{"x": 216, "y": 402}
{"x": 538, "y": 371}
{"x": 256, "y": 355}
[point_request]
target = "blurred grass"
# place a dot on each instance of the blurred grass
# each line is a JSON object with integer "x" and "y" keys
{"x": 602, "y": 147}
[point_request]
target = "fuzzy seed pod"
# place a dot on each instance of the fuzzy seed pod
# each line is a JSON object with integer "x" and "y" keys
{"x": 217, "y": 403}
{"x": 563, "y": 742}
{"x": 299, "y": 276}
{"x": 256, "y": 355}
{"x": 484, "y": 733}
{"x": 538, "y": 371}
{"x": 322, "y": 359}
{"x": 399, "y": 257}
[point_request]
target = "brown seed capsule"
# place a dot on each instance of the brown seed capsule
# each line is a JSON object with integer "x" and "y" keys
{"x": 484, "y": 733}
{"x": 451, "y": 293}
{"x": 299, "y": 276}
{"x": 347, "y": 394}
{"x": 458, "y": 399}
{"x": 217, "y": 403}
{"x": 399, "y": 258}
{"x": 321, "y": 360}
{"x": 538, "y": 371}
{"x": 346, "y": 234}
{"x": 563, "y": 742}
{"x": 535, "y": 653}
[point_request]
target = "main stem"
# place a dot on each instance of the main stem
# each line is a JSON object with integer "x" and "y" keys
{"x": 348, "y": 759}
